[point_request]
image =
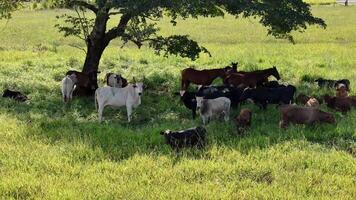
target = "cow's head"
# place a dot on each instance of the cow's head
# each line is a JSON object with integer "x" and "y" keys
{"x": 166, "y": 132}
{"x": 201, "y": 104}
{"x": 138, "y": 88}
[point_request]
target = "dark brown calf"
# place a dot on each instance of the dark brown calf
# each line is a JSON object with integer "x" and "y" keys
{"x": 341, "y": 91}
{"x": 243, "y": 120}
{"x": 304, "y": 115}
{"x": 342, "y": 104}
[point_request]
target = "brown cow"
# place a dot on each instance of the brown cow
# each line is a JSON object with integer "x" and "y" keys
{"x": 79, "y": 78}
{"x": 204, "y": 77}
{"x": 251, "y": 79}
{"x": 243, "y": 120}
{"x": 304, "y": 115}
{"x": 341, "y": 91}
{"x": 342, "y": 104}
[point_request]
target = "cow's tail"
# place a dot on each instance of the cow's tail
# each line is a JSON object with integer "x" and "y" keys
{"x": 95, "y": 100}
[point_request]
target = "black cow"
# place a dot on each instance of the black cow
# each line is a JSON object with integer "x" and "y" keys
{"x": 18, "y": 96}
{"x": 193, "y": 137}
{"x": 263, "y": 96}
{"x": 189, "y": 100}
{"x": 213, "y": 92}
{"x": 272, "y": 84}
{"x": 333, "y": 83}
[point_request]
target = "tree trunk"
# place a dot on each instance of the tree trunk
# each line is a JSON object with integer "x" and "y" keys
{"x": 91, "y": 64}
{"x": 96, "y": 44}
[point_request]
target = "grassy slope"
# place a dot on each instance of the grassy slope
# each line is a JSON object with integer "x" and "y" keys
{"x": 48, "y": 150}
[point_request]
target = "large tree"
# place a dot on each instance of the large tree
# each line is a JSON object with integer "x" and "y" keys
{"x": 8, "y": 6}
{"x": 137, "y": 22}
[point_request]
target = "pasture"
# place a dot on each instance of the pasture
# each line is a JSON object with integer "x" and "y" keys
{"x": 49, "y": 150}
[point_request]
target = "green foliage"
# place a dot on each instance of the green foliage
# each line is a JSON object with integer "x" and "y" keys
{"x": 178, "y": 45}
{"x": 75, "y": 26}
{"x": 280, "y": 18}
{"x": 49, "y": 150}
{"x": 8, "y": 6}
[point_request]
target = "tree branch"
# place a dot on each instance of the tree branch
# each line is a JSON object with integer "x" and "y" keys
{"x": 84, "y": 5}
{"x": 119, "y": 29}
{"x": 78, "y": 47}
{"x": 114, "y": 13}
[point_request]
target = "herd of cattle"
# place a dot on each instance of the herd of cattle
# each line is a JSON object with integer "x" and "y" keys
{"x": 216, "y": 101}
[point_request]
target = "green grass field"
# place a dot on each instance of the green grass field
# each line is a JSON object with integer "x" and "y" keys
{"x": 49, "y": 150}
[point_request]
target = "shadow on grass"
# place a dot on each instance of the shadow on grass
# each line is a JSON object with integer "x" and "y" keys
{"x": 47, "y": 117}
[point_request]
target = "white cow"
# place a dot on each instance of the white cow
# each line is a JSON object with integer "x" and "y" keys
{"x": 129, "y": 96}
{"x": 67, "y": 88}
{"x": 209, "y": 108}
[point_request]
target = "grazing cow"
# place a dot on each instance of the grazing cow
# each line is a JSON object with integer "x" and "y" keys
{"x": 312, "y": 102}
{"x": 211, "y": 107}
{"x": 67, "y": 88}
{"x": 251, "y": 79}
{"x": 212, "y": 92}
{"x": 304, "y": 115}
{"x": 342, "y": 104}
{"x": 333, "y": 83}
{"x": 193, "y": 137}
{"x": 115, "y": 80}
{"x": 129, "y": 96}
{"x": 243, "y": 120}
{"x": 341, "y": 91}
{"x": 264, "y": 96}
{"x": 189, "y": 100}
{"x": 204, "y": 77}
{"x": 18, "y": 96}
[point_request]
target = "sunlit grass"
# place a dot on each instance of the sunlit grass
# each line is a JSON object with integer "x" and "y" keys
{"x": 49, "y": 150}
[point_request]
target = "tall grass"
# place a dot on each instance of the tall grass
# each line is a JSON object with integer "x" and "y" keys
{"x": 49, "y": 150}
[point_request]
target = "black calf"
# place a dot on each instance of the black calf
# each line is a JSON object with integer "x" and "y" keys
{"x": 18, "y": 96}
{"x": 189, "y": 100}
{"x": 333, "y": 83}
{"x": 193, "y": 137}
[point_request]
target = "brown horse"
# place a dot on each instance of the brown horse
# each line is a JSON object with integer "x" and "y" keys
{"x": 251, "y": 79}
{"x": 206, "y": 76}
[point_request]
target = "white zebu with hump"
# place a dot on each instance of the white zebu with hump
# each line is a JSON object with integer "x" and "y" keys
{"x": 67, "y": 88}
{"x": 209, "y": 108}
{"x": 129, "y": 96}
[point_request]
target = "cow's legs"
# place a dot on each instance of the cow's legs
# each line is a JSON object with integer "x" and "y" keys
{"x": 226, "y": 115}
{"x": 129, "y": 112}
{"x": 204, "y": 120}
{"x": 283, "y": 123}
{"x": 100, "y": 112}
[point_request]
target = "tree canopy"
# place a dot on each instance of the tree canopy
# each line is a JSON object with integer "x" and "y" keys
{"x": 7, "y": 6}
{"x": 138, "y": 19}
